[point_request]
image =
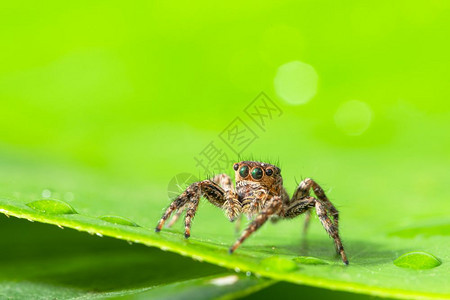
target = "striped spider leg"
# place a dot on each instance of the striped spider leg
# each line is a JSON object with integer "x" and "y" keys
{"x": 302, "y": 202}
{"x": 220, "y": 196}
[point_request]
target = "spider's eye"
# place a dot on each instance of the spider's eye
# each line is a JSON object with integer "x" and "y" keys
{"x": 269, "y": 172}
{"x": 243, "y": 171}
{"x": 235, "y": 167}
{"x": 257, "y": 173}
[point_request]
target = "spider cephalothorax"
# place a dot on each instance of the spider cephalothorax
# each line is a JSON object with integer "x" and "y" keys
{"x": 259, "y": 194}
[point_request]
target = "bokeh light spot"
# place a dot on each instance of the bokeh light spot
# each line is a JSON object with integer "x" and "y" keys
{"x": 353, "y": 117}
{"x": 296, "y": 82}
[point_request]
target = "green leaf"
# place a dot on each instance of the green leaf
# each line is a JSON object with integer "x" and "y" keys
{"x": 371, "y": 246}
{"x": 47, "y": 262}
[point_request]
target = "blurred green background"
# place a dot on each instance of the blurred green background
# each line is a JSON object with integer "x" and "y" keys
{"x": 134, "y": 91}
{"x": 139, "y": 86}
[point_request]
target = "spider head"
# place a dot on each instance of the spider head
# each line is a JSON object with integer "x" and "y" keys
{"x": 260, "y": 174}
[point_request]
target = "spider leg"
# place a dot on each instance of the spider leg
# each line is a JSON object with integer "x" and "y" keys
{"x": 272, "y": 206}
{"x": 176, "y": 216}
{"x": 178, "y": 203}
{"x": 232, "y": 206}
{"x": 225, "y": 199}
{"x": 253, "y": 202}
{"x": 299, "y": 206}
{"x": 189, "y": 200}
{"x": 324, "y": 199}
{"x": 237, "y": 225}
{"x": 224, "y": 181}
{"x": 303, "y": 191}
{"x": 190, "y": 214}
{"x": 301, "y": 202}
{"x": 331, "y": 229}
{"x": 307, "y": 220}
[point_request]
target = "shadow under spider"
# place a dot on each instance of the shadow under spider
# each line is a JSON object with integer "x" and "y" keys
{"x": 359, "y": 252}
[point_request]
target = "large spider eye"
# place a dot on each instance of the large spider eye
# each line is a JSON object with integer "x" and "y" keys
{"x": 243, "y": 171}
{"x": 269, "y": 172}
{"x": 235, "y": 167}
{"x": 257, "y": 173}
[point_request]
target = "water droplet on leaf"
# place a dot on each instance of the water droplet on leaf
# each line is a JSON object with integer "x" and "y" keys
{"x": 309, "y": 260}
{"x": 52, "y": 206}
{"x": 417, "y": 260}
{"x": 279, "y": 264}
{"x": 119, "y": 220}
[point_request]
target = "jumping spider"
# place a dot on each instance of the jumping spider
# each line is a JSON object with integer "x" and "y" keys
{"x": 259, "y": 192}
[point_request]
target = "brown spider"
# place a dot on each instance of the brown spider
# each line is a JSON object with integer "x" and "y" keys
{"x": 259, "y": 191}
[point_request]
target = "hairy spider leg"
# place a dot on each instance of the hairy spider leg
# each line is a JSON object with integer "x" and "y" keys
{"x": 272, "y": 206}
{"x": 176, "y": 216}
{"x": 331, "y": 229}
{"x": 307, "y": 220}
{"x": 330, "y": 225}
{"x": 189, "y": 200}
{"x": 303, "y": 190}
